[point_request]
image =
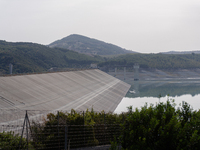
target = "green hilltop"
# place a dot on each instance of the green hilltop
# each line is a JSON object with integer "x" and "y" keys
{"x": 86, "y": 45}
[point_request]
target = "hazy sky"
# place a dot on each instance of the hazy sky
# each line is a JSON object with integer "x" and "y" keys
{"x": 146, "y": 26}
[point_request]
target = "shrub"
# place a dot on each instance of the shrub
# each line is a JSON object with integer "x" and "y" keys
{"x": 11, "y": 141}
{"x": 161, "y": 127}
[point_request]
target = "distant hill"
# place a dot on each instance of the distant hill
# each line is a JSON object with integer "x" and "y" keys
{"x": 182, "y": 52}
{"x": 157, "y": 61}
{"x": 88, "y": 45}
{"x": 31, "y": 57}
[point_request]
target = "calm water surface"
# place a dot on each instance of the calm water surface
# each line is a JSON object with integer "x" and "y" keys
{"x": 142, "y": 92}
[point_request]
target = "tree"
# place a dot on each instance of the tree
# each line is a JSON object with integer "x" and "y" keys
{"x": 161, "y": 127}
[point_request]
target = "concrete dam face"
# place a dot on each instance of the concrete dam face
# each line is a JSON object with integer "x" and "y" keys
{"x": 78, "y": 90}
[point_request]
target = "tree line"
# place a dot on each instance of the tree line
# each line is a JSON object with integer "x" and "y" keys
{"x": 158, "y": 61}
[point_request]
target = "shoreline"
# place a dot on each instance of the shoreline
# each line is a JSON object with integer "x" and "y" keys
{"x": 158, "y": 75}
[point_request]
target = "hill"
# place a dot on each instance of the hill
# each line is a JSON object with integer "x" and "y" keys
{"x": 182, "y": 52}
{"x": 31, "y": 57}
{"x": 158, "y": 61}
{"x": 88, "y": 45}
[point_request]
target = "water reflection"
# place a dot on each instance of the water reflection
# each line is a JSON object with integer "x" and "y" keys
{"x": 138, "y": 102}
{"x": 163, "y": 88}
{"x": 142, "y": 92}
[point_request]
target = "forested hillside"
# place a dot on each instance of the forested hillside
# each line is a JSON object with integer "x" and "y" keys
{"x": 30, "y": 57}
{"x": 159, "y": 61}
{"x": 88, "y": 45}
{"x": 182, "y": 52}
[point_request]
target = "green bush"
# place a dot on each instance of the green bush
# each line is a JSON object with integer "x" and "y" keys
{"x": 151, "y": 128}
{"x": 84, "y": 129}
{"x": 161, "y": 127}
{"x": 11, "y": 141}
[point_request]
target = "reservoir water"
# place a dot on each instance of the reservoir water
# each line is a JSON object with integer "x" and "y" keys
{"x": 152, "y": 92}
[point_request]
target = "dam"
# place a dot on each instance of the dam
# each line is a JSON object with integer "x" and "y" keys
{"x": 78, "y": 90}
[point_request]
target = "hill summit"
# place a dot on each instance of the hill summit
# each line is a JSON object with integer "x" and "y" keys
{"x": 86, "y": 45}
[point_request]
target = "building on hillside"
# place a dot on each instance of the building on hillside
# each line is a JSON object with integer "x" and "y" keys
{"x": 94, "y": 66}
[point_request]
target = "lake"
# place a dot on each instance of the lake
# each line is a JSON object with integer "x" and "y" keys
{"x": 152, "y": 92}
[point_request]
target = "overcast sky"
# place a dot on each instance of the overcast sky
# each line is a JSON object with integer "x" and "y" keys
{"x": 146, "y": 26}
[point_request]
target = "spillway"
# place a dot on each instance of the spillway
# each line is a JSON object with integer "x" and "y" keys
{"x": 78, "y": 90}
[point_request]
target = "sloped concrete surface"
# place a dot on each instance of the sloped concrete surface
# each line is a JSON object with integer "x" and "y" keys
{"x": 79, "y": 90}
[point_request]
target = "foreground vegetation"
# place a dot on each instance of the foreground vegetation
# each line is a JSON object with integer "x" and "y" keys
{"x": 11, "y": 141}
{"x": 83, "y": 129}
{"x": 154, "y": 127}
{"x": 163, "y": 126}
